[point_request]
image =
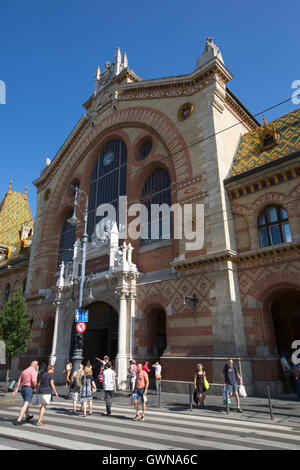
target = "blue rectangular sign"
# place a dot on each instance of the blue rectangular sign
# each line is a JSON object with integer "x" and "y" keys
{"x": 81, "y": 315}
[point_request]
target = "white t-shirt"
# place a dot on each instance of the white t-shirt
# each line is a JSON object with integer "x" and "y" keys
{"x": 157, "y": 369}
{"x": 108, "y": 379}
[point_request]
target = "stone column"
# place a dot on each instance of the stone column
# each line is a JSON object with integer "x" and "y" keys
{"x": 122, "y": 356}
{"x": 132, "y": 324}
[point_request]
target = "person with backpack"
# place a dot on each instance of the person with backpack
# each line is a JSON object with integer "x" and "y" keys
{"x": 87, "y": 389}
{"x": 231, "y": 375}
{"x": 76, "y": 380}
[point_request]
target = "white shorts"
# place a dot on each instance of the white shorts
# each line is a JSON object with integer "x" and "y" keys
{"x": 75, "y": 396}
{"x": 45, "y": 399}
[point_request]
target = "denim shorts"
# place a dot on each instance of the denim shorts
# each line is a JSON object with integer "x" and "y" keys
{"x": 27, "y": 393}
{"x": 232, "y": 388}
{"x": 139, "y": 392}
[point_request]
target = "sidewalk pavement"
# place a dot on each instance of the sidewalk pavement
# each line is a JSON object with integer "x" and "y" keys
{"x": 286, "y": 408}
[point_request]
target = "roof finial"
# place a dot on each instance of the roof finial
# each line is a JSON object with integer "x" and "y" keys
{"x": 26, "y": 189}
{"x": 10, "y": 185}
{"x": 265, "y": 121}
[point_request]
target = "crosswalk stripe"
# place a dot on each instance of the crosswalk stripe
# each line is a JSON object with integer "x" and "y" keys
{"x": 49, "y": 440}
{"x": 7, "y": 448}
{"x": 108, "y": 431}
{"x": 163, "y": 425}
{"x": 190, "y": 417}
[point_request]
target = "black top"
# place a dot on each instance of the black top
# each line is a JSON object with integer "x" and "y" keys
{"x": 230, "y": 374}
{"x": 45, "y": 387}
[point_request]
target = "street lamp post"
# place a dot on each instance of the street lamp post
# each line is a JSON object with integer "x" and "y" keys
{"x": 78, "y": 347}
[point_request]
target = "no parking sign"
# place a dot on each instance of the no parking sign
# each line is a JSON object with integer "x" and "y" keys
{"x": 80, "y": 327}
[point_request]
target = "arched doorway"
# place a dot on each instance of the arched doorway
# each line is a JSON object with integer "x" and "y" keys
{"x": 101, "y": 335}
{"x": 285, "y": 310}
{"x": 156, "y": 334}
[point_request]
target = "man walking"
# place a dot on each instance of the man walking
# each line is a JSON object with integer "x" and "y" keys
{"x": 157, "y": 371}
{"x": 109, "y": 386}
{"x": 141, "y": 389}
{"x": 231, "y": 374}
{"x": 28, "y": 381}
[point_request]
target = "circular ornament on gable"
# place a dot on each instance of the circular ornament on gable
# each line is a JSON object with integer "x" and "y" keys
{"x": 185, "y": 111}
{"x": 47, "y": 194}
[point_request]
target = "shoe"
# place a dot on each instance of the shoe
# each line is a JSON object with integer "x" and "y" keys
{"x": 136, "y": 418}
{"x": 17, "y": 423}
{"x": 28, "y": 418}
{"x": 239, "y": 410}
{"x": 142, "y": 418}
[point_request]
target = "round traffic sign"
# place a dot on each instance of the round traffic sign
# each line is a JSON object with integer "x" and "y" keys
{"x": 81, "y": 327}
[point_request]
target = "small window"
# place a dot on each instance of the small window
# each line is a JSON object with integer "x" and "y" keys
{"x": 273, "y": 226}
{"x": 145, "y": 149}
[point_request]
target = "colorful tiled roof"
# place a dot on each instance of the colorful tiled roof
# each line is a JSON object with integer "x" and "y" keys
{"x": 14, "y": 212}
{"x": 250, "y": 155}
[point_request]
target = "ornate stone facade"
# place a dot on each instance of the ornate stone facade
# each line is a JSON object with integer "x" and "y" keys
{"x": 195, "y": 125}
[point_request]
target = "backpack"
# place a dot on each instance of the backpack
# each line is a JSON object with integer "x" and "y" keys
{"x": 78, "y": 379}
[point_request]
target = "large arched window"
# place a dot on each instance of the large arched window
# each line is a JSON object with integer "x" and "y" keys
{"x": 67, "y": 240}
{"x": 157, "y": 190}
{"x": 273, "y": 226}
{"x": 108, "y": 180}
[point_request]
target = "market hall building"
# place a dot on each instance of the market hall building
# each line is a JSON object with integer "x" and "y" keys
{"x": 188, "y": 140}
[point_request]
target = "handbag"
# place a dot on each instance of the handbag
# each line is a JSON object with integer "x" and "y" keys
{"x": 205, "y": 383}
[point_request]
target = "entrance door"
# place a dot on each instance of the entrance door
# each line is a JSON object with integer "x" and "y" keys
{"x": 286, "y": 317}
{"x": 101, "y": 335}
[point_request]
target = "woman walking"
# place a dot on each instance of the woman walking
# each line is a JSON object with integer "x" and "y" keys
{"x": 67, "y": 371}
{"x": 87, "y": 389}
{"x": 44, "y": 387}
{"x": 199, "y": 377}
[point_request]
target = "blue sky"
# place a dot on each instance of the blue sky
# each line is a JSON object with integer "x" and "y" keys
{"x": 49, "y": 53}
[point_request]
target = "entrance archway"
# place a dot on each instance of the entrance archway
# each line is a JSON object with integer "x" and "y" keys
{"x": 101, "y": 335}
{"x": 156, "y": 330}
{"x": 285, "y": 310}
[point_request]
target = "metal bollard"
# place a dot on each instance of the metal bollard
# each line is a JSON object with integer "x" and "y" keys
{"x": 269, "y": 400}
{"x": 158, "y": 396}
{"x": 191, "y": 396}
{"x": 227, "y": 403}
{"x": 131, "y": 399}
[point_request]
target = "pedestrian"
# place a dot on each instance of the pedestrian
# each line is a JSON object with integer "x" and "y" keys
{"x": 157, "y": 372}
{"x": 45, "y": 385}
{"x": 287, "y": 371}
{"x": 87, "y": 389}
{"x": 28, "y": 381}
{"x": 132, "y": 375}
{"x": 146, "y": 368}
{"x": 103, "y": 363}
{"x": 109, "y": 386}
{"x": 140, "y": 390}
{"x": 199, "y": 376}
{"x": 231, "y": 375}
{"x": 67, "y": 371}
{"x": 77, "y": 381}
